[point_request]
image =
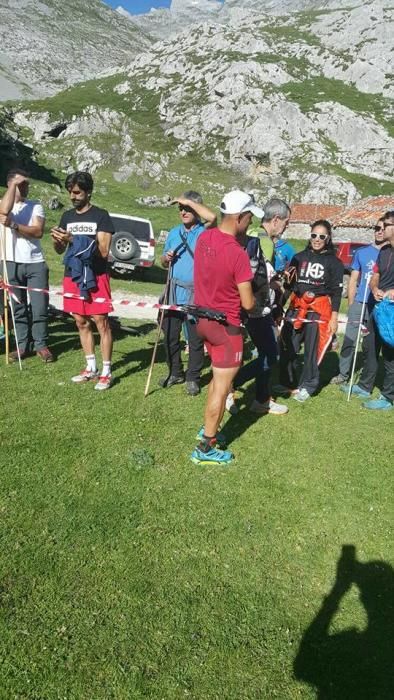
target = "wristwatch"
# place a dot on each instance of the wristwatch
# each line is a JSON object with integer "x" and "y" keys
{"x": 14, "y": 226}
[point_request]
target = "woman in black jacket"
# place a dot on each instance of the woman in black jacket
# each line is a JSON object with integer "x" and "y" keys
{"x": 312, "y": 317}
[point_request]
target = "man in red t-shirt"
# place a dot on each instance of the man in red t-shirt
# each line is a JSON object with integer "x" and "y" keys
{"x": 222, "y": 281}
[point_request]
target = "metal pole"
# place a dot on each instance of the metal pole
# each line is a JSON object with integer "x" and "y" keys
{"x": 366, "y": 291}
{"x": 161, "y": 312}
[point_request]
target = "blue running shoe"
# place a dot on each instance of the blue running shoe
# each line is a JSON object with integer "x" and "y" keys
{"x": 220, "y": 438}
{"x": 379, "y": 404}
{"x": 356, "y": 391}
{"x": 212, "y": 456}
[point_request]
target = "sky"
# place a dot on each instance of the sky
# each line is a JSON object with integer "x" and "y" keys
{"x": 138, "y": 6}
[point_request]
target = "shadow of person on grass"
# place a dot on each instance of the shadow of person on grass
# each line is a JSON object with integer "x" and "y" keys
{"x": 353, "y": 664}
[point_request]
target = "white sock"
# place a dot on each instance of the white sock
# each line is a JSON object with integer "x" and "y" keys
{"x": 91, "y": 363}
{"x": 106, "y": 369}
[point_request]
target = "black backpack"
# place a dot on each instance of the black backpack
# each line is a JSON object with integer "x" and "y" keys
{"x": 260, "y": 284}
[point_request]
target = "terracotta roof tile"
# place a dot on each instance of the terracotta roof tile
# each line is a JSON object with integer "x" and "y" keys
{"x": 362, "y": 214}
{"x": 365, "y": 212}
{"x": 308, "y": 213}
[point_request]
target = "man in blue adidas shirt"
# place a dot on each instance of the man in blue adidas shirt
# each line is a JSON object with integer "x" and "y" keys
{"x": 179, "y": 254}
{"x": 362, "y": 265}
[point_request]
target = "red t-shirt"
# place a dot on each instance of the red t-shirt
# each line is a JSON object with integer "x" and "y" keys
{"x": 220, "y": 264}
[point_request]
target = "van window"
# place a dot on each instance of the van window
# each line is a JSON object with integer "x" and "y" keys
{"x": 139, "y": 229}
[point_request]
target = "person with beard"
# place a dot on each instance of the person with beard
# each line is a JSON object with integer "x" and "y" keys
{"x": 361, "y": 268}
{"x": 93, "y": 225}
{"x": 312, "y": 317}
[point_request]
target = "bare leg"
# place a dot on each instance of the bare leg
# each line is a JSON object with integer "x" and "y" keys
{"x": 85, "y": 333}
{"x": 104, "y": 329}
{"x": 217, "y": 394}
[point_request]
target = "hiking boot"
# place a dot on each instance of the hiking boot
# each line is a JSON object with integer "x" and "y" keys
{"x": 270, "y": 406}
{"x": 85, "y": 376}
{"x": 13, "y": 356}
{"x": 211, "y": 456}
{"x": 220, "y": 438}
{"x": 104, "y": 383}
{"x": 356, "y": 391}
{"x": 231, "y": 406}
{"x": 301, "y": 396}
{"x": 192, "y": 388}
{"x": 45, "y": 355}
{"x": 338, "y": 379}
{"x": 166, "y": 382}
{"x": 379, "y": 404}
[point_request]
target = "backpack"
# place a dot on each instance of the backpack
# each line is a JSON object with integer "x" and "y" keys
{"x": 260, "y": 284}
{"x": 384, "y": 319}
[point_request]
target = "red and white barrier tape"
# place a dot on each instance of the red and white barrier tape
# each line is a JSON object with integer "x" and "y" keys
{"x": 98, "y": 300}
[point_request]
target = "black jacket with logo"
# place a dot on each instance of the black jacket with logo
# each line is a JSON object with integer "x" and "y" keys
{"x": 320, "y": 273}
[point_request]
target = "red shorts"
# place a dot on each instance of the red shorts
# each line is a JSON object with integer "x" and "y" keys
{"x": 224, "y": 343}
{"x": 91, "y": 307}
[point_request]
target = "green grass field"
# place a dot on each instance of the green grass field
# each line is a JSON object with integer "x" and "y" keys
{"x": 127, "y": 572}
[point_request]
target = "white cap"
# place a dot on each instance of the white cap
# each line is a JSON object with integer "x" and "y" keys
{"x": 238, "y": 202}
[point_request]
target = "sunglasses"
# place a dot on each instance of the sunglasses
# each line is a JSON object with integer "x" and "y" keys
{"x": 320, "y": 236}
{"x": 388, "y": 223}
{"x": 188, "y": 210}
{"x": 378, "y": 228}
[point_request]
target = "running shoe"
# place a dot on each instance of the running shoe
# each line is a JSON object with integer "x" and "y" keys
{"x": 211, "y": 456}
{"x": 379, "y": 404}
{"x": 301, "y": 396}
{"x": 276, "y": 409}
{"x": 338, "y": 379}
{"x": 104, "y": 383}
{"x": 85, "y": 376}
{"x": 356, "y": 391}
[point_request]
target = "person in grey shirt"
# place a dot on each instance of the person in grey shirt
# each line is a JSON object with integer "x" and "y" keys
{"x": 24, "y": 220}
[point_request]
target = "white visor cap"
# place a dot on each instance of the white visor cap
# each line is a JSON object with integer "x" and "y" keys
{"x": 238, "y": 202}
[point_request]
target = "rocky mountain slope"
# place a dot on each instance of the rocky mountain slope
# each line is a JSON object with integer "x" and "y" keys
{"x": 47, "y": 45}
{"x": 282, "y": 105}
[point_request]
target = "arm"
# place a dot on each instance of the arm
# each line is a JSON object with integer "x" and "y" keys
{"x": 36, "y": 230}
{"x": 352, "y": 288}
{"x": 7, "y": 201}
{"x": 374, "y": 284}
{"x": 246, "y": 295}
{"x": 103, "y": 243}
{"x": 203, "y": 212}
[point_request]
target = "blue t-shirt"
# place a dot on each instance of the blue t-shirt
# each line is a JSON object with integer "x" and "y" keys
{"x": 283, "y": 255}
{"x": 363, "y": 261}
{"x": 182, "y": 268}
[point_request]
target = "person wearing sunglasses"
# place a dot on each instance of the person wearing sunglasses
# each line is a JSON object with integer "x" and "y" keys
{"x": 178, "y": 255}
{"x": 312, "y": 317}
{"x": 382, "y": 287}
{"x": 361, "y": 269}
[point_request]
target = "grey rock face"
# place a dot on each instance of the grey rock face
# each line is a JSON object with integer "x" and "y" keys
{"x": 49, "y": 44}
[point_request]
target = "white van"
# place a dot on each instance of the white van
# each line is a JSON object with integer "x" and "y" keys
{"x": 133, "y": 243}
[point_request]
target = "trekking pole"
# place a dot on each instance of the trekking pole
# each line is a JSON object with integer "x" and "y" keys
{"x": 161, "y": 312}
{"x": 7, "y": 299}
{"x": 366, "y": 291}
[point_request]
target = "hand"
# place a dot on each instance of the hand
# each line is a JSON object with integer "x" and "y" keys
{"x": 17, "y": 180}
{"x": 169, "y": 256}
{"x": 59, "y": 235}
{"x": 378, "y": 294}
{"x": 389, "y": 294}
{"x": 333, "y": 325}
{"x": 5, "y": 219}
